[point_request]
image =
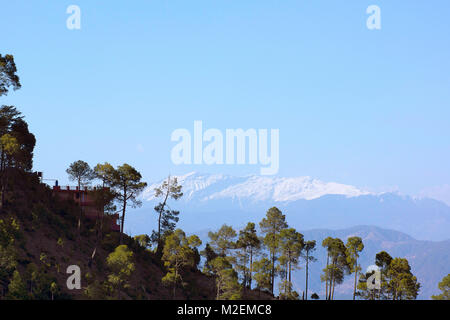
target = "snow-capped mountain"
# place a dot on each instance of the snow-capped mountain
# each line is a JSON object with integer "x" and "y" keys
{"x": 211, "y": 200}
{"x": 203, "y": 187}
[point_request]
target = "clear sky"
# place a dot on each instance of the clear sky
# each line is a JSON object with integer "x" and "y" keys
{"x": 364, "y": 107}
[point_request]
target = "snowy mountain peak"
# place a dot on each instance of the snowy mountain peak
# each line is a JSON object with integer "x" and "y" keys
{"x": 204, "y": 187}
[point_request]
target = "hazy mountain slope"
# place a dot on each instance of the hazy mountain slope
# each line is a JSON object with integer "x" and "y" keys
{"x": 430, "y": 261}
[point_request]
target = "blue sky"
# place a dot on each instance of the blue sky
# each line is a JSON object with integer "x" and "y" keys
{"x": 363, "y": 107}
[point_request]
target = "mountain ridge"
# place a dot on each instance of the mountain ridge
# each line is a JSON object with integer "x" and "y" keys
{"x": 429, "y": 260}
{"x": 210, "y": 200}
{"x": 258, "y": 188}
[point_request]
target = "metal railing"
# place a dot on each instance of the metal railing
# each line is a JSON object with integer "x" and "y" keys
{"x": 75, "y": 188}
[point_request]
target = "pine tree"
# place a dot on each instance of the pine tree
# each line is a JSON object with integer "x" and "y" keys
{"x": 32, "y": 274}
{"x": 227, "y": 284}
{"x": 309, "y": 248}
{"x": 127, "y": 184}
{"x": 8, "y": 74}
{"x": 403, "y": 284}
{"x": 271, "y": 226}
{"x": 383, "y": 261}
{"x": 336, "y": 267}
{"x": 248, "y": 245}
{"x": 262, "y": 274}
{"x": 16, "y": 147}
{"x": 16, "y": 288}
{"x": 81, "y": 172}
{"x": 121, "y": 264}
{"x": 143, "y": 240}
{"x": 105, "y": 173}
{"x": 223, "y": 241}
{"x": 178, "y": 253}
{"x": 209, "y": 254}
{"x": 397, "y": 280}
{"x": 291, "y": 246}
{"x": 353, "y": 247}
{"x": 167, "y": 218}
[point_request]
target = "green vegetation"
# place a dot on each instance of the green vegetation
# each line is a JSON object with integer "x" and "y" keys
{"x": 121, "y": 264}
{"x": 167, "y": 218}
{"x": 336, "y": 267}
{"x": 397, "y": 281}
{"x": 179, "y": 252}
{"x": 309, "y": 248}
{"x": 8, "y": 76}
{"x": 41, "y": 235}
{"x": 353, "y": 248}
{"x": 81, "y": 172}
{"x": 248, "y": 246}
{"x": 271, "y": 227}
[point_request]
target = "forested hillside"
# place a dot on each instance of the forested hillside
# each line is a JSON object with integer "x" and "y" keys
{"x": 58, "y": 243}
{"x": 42, "y": 235}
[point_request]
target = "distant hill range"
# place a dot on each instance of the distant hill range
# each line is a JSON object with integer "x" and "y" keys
{"x": 323, "y": 209}
{"x": 429, "y": 260}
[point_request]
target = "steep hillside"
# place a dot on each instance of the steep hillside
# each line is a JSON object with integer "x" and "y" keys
{"x": 45, "y": 241}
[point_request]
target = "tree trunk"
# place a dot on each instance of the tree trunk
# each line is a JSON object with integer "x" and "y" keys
{"x": 290, "y": 278}
{"x": 273, "y": 272}
{"x": 123, "y": 214}
{"x": 4, "y": 187}
{"x": 161, "y": 212}
{"x": 251, "y": 269}
{"x": 2, "y": 180}
{"x": 326, "y": 279}
{"x": 159, "y": 230}
{"x": 307, "y": 261}
{"x": 245, "y": 271}
{"x": 289, "y": 268}
{"x": 334, "y": 284}
{"x": 356, "y": 273}
{"x": 175, "y": 283}
{"x": 218, "y": 289}
{"x": 81, "y": 210}
{"x": 99, "y": 228}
